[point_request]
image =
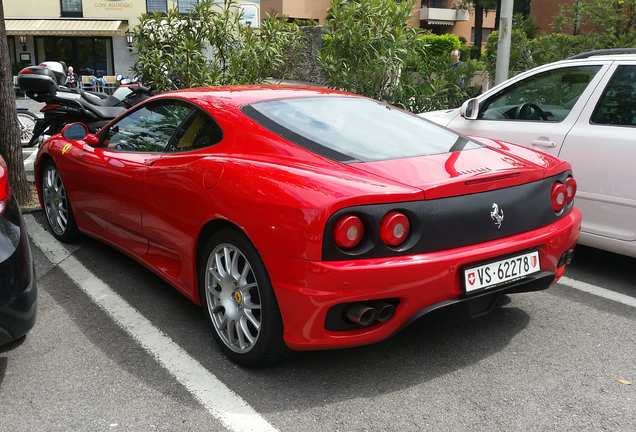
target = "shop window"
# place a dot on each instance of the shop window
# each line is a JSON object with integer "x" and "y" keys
{"x": 185, "y": 6}
{"x": 157, "y": 6}
{"x": 88, "y": 56}
{"x": 71, "y": 8}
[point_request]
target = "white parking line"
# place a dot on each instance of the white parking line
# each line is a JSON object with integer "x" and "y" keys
{"x": 225, "y": 405}
{"x": 598, "y": 291}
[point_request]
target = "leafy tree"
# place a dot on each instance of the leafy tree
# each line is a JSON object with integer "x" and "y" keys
{"x": 479, "y": 6}
{"x": 10, "y": 148}
{"x": 614, "y": 20}
{"x": 211, "y": 46}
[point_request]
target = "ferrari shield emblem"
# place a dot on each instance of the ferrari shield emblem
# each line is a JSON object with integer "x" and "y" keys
{"x": 67, "y": 147}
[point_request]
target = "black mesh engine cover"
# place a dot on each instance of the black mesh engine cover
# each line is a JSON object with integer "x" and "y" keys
{"x": 453, "y": 222}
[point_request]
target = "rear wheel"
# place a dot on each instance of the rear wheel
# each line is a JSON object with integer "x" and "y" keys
{"x": 57, "y": 205}
{"x": 240, "y": 301}
{"x": 26, "y": 121}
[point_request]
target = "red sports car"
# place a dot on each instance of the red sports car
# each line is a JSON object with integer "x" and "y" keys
{"x": 307, "y": 218}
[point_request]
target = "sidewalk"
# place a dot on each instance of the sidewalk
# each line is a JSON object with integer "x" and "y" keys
{"x": 29, "y": 104}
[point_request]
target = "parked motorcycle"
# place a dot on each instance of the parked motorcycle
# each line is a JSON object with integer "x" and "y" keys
{"x": 63, "y": 105}
{"x": 27, "y": 121}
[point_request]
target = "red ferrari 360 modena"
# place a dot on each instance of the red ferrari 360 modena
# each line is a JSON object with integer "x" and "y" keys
{"x": 306, "y": 218}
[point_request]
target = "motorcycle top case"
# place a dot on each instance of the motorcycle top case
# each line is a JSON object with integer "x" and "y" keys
{"x": 39, "y": 83}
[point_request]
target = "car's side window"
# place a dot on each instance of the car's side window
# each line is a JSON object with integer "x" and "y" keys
{"x": 198, "y": 130}
{"x": 617, "y": 106}
{"x": 149, "y": 129}
{"x": 544, "y": 97}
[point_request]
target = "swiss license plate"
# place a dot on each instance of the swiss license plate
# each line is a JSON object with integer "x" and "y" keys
{"x": 501, "y": 271}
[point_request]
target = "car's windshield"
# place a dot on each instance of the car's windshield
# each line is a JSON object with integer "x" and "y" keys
{"x": 355, "y": 129}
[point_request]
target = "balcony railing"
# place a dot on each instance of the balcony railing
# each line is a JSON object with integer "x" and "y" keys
{"x": 443, "y": 14}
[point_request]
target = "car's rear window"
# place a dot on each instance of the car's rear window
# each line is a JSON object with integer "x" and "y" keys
{"x": 355, "y": 129}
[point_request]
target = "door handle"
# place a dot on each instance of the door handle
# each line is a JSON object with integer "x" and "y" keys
{"x": 544, "y": 142}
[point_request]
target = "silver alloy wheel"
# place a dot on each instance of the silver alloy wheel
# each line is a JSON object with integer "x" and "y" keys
{"x": 233, "y": 298}
{"x": 27, "y": 124}
{"x": 55, "y": 202}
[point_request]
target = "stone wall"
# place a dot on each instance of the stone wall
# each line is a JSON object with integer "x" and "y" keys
{"x": 308, "y": 69}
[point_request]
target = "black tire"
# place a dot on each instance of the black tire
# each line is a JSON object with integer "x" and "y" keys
{"x": 269, "y": 348}
{"x": 71, "y": 232}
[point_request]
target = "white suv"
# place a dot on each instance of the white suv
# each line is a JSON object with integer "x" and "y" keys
{"x": 582, "y": 110}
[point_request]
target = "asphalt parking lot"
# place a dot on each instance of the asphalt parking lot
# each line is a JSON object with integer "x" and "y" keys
{"x": 116, "y": 349}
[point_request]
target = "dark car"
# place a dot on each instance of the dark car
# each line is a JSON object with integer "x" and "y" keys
{"x": 18, "y": 290}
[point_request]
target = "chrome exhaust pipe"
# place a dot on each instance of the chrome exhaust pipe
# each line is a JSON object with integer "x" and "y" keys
{"x": 361, "y": 313}
{"x": 384, "y": 311}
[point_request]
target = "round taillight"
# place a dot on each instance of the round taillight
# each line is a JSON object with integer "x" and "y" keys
{"x": 559, "y": 197}
{"x": 570, "y": 189}
{"x": 394, "y": 228}
{"x": 348, "y": 232}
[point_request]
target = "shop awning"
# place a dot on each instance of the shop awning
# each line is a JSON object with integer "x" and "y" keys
{"x": 65, "y": 27}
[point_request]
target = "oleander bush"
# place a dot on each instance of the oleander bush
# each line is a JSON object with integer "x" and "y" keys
{"x": 439, "y": 45}
{"x": 370, "y": 49}
{"x": 211, "y": 46}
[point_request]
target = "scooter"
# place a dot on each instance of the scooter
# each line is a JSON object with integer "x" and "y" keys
{"x": 63, "y": 105}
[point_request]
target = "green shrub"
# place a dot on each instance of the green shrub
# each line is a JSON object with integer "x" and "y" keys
{"x": 367, "y": 45}
{"x": 371, "y": 50}
{"x": 210, "y": 46}
{"x": 558, "y": 46}
{"x": 545, "y": 49}
{"x": 439, "y": 45}
{"x": 520, "y": 54}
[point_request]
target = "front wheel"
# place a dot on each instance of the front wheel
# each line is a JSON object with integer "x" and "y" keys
{"x": 240, "y": 302}
{"x": 26, "y": 121}
{"x": 57, "y": 205}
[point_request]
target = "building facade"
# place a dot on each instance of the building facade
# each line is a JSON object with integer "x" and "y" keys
{"x": 90, "y": 35}
{"x": 543, "y": 12}
{"x": 442, "y": 16}
{"x": 438, "y": 16}
{"x": 314, "y": 10}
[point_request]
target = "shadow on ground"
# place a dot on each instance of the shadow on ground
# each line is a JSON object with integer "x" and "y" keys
{"x": 436, "y": 345}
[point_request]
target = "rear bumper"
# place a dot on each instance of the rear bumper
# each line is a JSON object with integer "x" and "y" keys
{"x": 18, "y": 290}
{"x": 307, "y": 290}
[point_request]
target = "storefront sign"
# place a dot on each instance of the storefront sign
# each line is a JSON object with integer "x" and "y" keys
{"x": 113, "y": 5}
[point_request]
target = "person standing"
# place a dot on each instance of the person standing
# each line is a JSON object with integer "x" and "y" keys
{"x": 456, "y": 61}
{"x": 71, "y": 78}
{"x": 456, "y": 64}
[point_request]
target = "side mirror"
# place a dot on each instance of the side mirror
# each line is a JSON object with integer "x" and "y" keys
{"x": 79, "y": 132}
{"x": 470, "y": 109}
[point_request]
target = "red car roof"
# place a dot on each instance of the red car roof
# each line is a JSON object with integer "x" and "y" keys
{"x": 239, "y": 96}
